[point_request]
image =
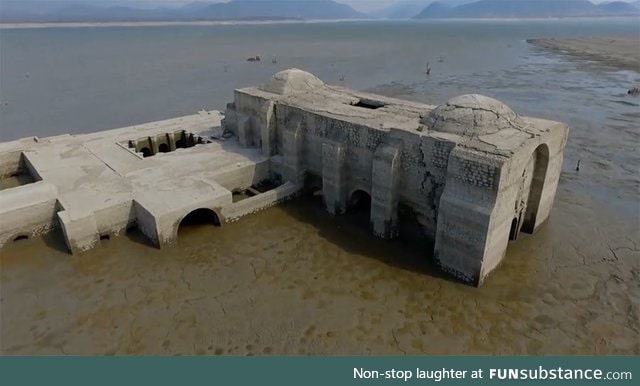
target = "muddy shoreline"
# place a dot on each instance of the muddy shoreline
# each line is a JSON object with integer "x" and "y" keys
{"x": 294, "y": 280}
{"x": 620, "y": 53}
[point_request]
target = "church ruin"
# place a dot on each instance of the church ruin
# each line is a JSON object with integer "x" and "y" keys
{"x": 474, "y": 172}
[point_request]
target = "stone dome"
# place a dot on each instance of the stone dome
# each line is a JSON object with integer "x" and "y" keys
{"x": 471, "y": 114}
{"x": 290, "y": 81}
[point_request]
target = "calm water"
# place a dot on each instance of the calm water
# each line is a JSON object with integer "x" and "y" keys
{"x": 293, "y": 279}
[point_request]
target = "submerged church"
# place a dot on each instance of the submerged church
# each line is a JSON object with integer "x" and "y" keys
{"x": 473, "y": 172}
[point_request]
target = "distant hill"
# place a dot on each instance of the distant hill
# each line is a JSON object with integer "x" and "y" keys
{"x": 310, "y": 9}
{"x": 528, "y": 9}
{"x": 436, "y": 10}
{"x": 620, "y": 8}
{"x": 12, "y": 11}
{"x": 403, "y": 9}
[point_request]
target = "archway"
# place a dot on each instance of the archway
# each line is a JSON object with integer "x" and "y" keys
{"x": 359, "y": 204}
{"x": 146, "y": 152}
{"x": 359, "y": 201}
{"x": 541, "y": 163}
{"x": 163, "y": 148}
{"x": 20, "y": 237}
{"x": 199, "y": 217}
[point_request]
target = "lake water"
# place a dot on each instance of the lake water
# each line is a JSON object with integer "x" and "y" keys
{"x": 293, "y": 279}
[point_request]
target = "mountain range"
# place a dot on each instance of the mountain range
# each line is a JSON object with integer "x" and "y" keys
{"x": 20, "y": 11}
{"x": 68, "y": 11}
{"x": 529, "y": 9}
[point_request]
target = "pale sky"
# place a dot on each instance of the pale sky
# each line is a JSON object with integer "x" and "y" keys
{"x": 360, "y": 5}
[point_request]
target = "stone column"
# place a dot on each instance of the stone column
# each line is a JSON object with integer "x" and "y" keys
{"x": 470, "y": 239}
{"x": 244, "y": 129}
{"x": 292, "y": 154}
{"x": 268, "y": 128}
{"x": 334, "y": 184}
{"x": 147, "y": 222}
{"x": 384, "y": 191}
{"x": 546, "y": 195}
{"x": 171, "y": 138}
{"x": 153, "y": 143}
{"x": 79, "y": 229}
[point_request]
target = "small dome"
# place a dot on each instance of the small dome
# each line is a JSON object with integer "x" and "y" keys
{"x": 290, "y": 81}
{"x": 471, "y": 114}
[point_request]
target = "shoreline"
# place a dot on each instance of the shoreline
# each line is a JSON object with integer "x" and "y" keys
{"x": 7, "y": 26}
{"x": 76, "y": 24}
{"x": 621, "y": 53}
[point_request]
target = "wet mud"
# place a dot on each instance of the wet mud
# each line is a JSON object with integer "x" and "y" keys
{"x": 295, "y": 280}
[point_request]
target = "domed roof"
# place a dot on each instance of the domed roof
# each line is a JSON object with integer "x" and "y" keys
{"x": 471, "y": 114}
{"x": 291, "y": 80}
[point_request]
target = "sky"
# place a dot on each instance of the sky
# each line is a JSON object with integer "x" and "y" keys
{"x": 360, "y": 5}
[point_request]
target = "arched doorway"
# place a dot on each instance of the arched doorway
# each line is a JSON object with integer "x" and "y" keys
{"x": 197, "y": 218}
{"x": 163, "y": 148}
{"x": 146, "y": 152}
{"x": 359, "y": 208}
{"x": 540, "y": 164}
{"x": 359, "y": 202}
{"x": 20, "y": 237}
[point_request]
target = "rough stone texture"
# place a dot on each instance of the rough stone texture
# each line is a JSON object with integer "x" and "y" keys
{"x": 471, "y": 115}
{"x": 99, "y": 184}
{"x": 290, "y": 81}
{"x": 472, "y": 171}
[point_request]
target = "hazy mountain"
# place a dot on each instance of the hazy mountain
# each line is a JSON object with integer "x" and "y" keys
{"x": 528, "y": 9}
{"x": 403, "y": 9}
{"x": 251, "y": 9}
{"x": 68, "y": 11}
{"x": 407, "y": 9}
{"x": 621, "y": 8}
{"x": 436, "y": 10}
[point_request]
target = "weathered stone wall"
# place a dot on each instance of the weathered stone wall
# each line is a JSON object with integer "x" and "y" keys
{"x": 254, "y": 121}
{"x": 309, "y": 139}
{"x": 28, "y": 210}
{"x": 472, "y": 171}
{"x": 464, "y": 216}
{"x": 259, "y": 202}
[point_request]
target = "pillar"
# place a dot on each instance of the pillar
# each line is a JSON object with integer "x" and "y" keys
{"x": 334, "y": 185}
{"x": 292, "y": 154}
{"x": 471, "y": 236}
{"x": 384, "y": 191}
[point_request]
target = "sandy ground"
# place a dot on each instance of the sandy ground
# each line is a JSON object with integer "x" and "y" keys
{"x": 617, "y": 52}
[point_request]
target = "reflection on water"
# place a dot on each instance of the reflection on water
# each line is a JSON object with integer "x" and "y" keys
{"x": 294, "y": 279}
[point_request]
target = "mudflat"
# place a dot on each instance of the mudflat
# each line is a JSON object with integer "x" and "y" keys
{"x": 623, "y": 53}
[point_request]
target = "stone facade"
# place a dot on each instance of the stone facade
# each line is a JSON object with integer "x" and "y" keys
{"x": 472, "y": 171}
{"x": 475, "y": 173}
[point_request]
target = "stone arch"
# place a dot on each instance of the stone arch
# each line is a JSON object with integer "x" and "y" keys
{"x": 146, "y": 152}
{"x": 163, "y": 148}
{"x": 541, "y": 163}
{"x": 359, "y": 201}
{"x": 198, "y": 216}
{"x": 20, "y": 237}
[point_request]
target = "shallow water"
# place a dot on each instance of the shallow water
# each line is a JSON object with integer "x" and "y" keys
{"x": 293, "y": 279}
